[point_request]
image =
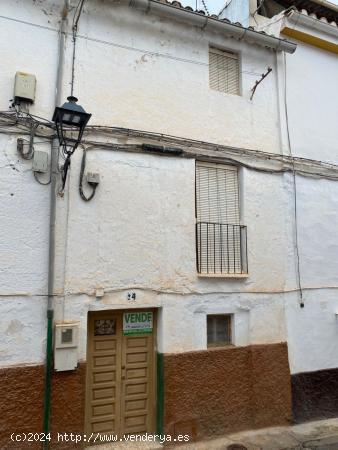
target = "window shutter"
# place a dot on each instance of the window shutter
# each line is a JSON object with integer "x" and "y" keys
{"x": 224, "y": 71}
{"x": 217, "y": 193}
{"x": 219, "y": 237}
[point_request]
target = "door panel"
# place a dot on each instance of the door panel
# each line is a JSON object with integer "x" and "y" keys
{"x": 137, "y": 382}
{"x": 104, "y": 373}
{"x": 120, "y": 377}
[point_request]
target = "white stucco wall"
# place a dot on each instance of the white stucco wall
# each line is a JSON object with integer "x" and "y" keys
{"x": 146, "y": 72}
{"x": 312, "y": 104}
{"x": 311, "y": 75}
{"x": 142, "y": 72}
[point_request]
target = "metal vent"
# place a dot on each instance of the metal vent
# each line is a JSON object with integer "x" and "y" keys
{"x": 223, "y": 71}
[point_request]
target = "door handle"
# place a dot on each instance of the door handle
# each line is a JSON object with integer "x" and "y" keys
{"x": 123, "y": 375}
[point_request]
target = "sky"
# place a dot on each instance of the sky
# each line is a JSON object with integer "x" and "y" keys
{"x": 214, "y": 6}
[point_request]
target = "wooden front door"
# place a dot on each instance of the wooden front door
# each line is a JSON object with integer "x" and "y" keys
{"x": 120, "y": 397}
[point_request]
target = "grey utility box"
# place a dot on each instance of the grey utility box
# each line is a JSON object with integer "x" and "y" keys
{"x": 66, "y": 346}
{"x": 24, "y": 87}
{"x": 40, "y": 162}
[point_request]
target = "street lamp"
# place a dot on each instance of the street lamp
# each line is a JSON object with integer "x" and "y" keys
{"x": 70, "y": 121}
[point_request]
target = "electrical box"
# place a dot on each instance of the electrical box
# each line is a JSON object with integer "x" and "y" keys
{"x": 93, "y": 178}
{"x": 24, "y": 87}
{"x": 40, "y": 162}
{"x": 66, "y": 346}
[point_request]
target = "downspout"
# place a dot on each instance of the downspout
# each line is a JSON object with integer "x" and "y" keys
{"x": 52, "y": 219}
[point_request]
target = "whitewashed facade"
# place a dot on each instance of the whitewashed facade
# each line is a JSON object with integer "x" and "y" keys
{"x": 145, "y": 72}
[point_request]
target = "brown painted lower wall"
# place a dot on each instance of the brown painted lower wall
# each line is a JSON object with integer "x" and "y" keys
{"x": 315, "y": 395}
{"x": 213, "y": 392}
{"x": 21, "y": 405}
{"x": 207, "y": 393}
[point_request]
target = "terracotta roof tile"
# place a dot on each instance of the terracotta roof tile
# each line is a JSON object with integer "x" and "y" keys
{"x": 316, "y": 16}
{"x": 177, "y": 4}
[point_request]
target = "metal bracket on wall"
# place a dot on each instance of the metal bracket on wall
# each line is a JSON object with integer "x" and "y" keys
{"x": 264, "y": 75}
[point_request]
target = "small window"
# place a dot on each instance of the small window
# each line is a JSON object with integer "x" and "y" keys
{"x": 223, "y": 71}
{"x": 219, "y": 330}
{"x": 104, "y": 327}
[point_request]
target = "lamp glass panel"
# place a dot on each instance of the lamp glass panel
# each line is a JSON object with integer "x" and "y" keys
{"x": 76, "y": 119}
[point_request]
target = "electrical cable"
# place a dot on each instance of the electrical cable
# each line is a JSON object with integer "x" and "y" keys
{"x": 94, "y": 186}
{"x": 76, "y": 18}
{"x": 309, "y": 165}
{"x": 309, "y": 169}
{"x": 67, "y": 156}
{"x": 205, "y": 7}
{"x": 294, "y": 191}
{"x": 169, "y": 292}
{"x": 217, "y": 149}
{"x": 224, "y": 8}
{"x": 41, "y": 182}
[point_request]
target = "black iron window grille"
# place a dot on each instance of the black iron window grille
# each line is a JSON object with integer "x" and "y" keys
{"x": 221, "y": 248}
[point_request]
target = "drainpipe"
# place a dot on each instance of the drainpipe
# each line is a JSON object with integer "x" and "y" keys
{"x": 51, "y": 256}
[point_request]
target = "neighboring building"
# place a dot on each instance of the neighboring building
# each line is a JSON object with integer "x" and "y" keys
{"x": 190, "y": 235}
{"x": 309, "y": 93}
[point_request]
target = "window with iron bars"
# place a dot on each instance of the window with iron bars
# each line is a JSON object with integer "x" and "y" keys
{"x": 220, "y": 238}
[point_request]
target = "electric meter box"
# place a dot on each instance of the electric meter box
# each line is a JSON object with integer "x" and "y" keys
{"x": 66, "y": 346}
{"x": 40, "y": 162}
{"x": 24, "y": 87}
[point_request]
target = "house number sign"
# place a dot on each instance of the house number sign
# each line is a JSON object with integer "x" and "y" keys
{"x": 137, "y": 323}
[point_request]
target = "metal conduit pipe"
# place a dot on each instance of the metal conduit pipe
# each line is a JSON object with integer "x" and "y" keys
{"x": 205, "y": 22}
{"x": 52, "y": 220}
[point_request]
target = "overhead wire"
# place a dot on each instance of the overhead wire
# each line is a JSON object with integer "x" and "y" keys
{"x": 205, "y": 7}
{"x": 306, "y": 167}
{"x": 294, "y": 190}
{"x": 76, "y": 18}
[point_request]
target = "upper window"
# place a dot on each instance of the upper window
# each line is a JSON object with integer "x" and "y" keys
{"x": 220, "y": 239}
{"x": 223, "y": 71}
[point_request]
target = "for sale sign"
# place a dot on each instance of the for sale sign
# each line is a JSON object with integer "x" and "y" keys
{"x": 137, "y": 323}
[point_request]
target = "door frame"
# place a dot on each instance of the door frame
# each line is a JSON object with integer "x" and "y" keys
{"x": 98, "y": 313}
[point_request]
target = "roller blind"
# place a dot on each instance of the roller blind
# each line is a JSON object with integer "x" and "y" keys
{"x": 217, "y": 193}
{"x": 223, "y": 71}
{"x": 218, "y": 231}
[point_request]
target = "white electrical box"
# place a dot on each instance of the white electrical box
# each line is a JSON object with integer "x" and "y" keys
{"x": 24, "y": 87}
{"x": 66, "y": 346}
{"x": 93, "y": 178}
{"x": 40, "y": 162}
